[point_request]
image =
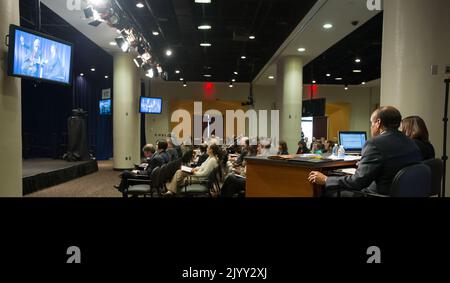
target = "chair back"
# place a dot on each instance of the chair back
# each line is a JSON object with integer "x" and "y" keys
{"x": 213, "y": 182}
{"x": 437, "y": 167}
{"x": 154, "y": 178}
{"x": 172, "y": 168}
{"x": 412, "y": 181}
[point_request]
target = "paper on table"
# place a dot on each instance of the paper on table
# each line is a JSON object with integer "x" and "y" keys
{"x": 346, "y": 158}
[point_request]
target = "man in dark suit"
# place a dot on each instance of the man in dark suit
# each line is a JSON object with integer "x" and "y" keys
{"x": 153, "y": 160}
{"x": 382, "y": 157}
{"x": 162, "y": 151}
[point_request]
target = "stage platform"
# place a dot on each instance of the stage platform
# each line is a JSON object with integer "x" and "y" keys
{"x": 39, "y": 174}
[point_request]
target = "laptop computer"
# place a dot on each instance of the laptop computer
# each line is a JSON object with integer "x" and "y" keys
{"x": 353, "y": 142}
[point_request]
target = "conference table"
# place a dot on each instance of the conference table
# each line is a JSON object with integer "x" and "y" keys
{"x": 287, "y": 177}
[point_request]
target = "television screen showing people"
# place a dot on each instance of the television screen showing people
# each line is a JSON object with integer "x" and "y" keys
{"x": 151, "y": 105}
{"x": 41, "y": 58}
{"x": 105, "y": 107}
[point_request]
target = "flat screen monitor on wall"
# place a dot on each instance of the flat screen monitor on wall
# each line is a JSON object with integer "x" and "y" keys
{"x": 34, "y": 55}
{"x": 150, "y": 105}
{"x": 314, "y": 108}
{"x": 105, "y": 107}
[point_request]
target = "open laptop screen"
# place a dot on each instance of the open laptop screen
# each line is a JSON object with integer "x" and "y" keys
{"x": 353, "y": 141}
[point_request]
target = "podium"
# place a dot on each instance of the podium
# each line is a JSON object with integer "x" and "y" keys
{"x": 77, "y": 146}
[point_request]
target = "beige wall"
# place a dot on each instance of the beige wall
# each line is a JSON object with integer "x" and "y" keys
{"x": 361, "y": 100}
{"x": 10, "y": 112}
{"x": 157, "y": 126}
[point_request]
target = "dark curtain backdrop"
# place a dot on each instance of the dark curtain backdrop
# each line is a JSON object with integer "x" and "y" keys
{"x": 46, "y": 107}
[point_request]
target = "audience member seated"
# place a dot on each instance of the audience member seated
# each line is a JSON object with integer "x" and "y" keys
{"x": 283, "y": 148}
{"x": 235, "y": 182}
{"x": 415, "y": 128}
{"x": 171, "y": 150}
{"x": 187, "y": 157}
{"x": 244, "y": 152}
{"x": 382, "y": 157}
{"x": 302, "y": 148}
{"x": 153, "y": 160}
{"x": 162, "y": 151}
{"x": 203, "y": 155}
{"x": 328, "y": 147}
{"x": 199, "y": 174}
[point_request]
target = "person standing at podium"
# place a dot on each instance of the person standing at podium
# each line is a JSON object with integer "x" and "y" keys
{"x": 383, "y": 157}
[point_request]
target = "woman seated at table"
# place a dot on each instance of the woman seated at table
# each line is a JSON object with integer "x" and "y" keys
{"x": 415, "y": 128}
{"x": 199, "y": 174}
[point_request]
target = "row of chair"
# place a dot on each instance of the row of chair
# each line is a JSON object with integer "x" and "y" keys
{"x": 161, "y": 175}
{"x": 416, "y": 181}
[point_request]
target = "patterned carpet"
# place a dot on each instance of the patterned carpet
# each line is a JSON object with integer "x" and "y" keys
{"x": 99, "y": 184}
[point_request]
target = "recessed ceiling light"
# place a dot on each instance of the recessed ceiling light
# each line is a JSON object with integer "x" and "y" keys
{"x": 233, "y": 80}
{"x": 243, "y": 57}
{"x": 327, "y": 26}
{"x": 93, "y": 70}
{"x": 181, "y": 79}
{"x": 205, "y": 44}
{"x": 82, "y": 75}
{"x": 207, "y": 76}
{"x": 358, "y": 60}
{"x": 140, "y": 5}
{"x": 338, "y": 79}
{"x": 357, "y": 71}
{"x": 155, "y": 33}
{"x": 271, "y": 77}
{"x": 301, "y": 49}
{"x": 177, "y": 71}
{"x": 203, "y": 1}
{"x": 363, "y": 83}
{"x": 113, "y": 43}
{"x": 106, "y": 77}
{"x": 346, "y": 88}
{"x": 313, "y": 82}
{"x": 169, "y": 53}
{"x": 251, "y": 37}
{"x": 231, "y": 85}
{"x": 236, "y": 73}
{"x": 204, "y": 27}
{"x": 328, "y": 75}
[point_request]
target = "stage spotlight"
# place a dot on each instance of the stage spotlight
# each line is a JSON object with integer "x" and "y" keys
{"x": 150, "y": 73}
{"x": 138, "y": 61}
{"x": 159, "y": 68}
{"x": 123, "y": 44}
{"x": 146, "y": 57}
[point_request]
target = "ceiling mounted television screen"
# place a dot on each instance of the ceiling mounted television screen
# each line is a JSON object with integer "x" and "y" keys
{"x": 150, "y": 105}
{"x": 105, "y": 107}
{"x": 34, "y": 55}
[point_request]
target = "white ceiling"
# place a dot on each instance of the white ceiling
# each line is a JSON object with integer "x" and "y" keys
{"x": 311, "y": 35}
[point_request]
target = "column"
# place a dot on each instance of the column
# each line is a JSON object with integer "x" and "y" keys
{"x": 126, "y": 128}
{"x": 10, "y": 111}
{"x": 289, "y": 100}
{"x": 416, "y": 37}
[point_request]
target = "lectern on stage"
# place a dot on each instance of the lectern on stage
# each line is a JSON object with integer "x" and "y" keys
{"x": 77, "y": 147}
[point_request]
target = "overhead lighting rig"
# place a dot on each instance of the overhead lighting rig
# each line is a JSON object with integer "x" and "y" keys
{"x": 129, "y": 39}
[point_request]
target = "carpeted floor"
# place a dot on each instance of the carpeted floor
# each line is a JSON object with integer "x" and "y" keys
{"x": 99, "y": 184}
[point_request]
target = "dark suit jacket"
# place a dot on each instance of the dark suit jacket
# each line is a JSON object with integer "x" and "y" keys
{"x": 155, "y": 161}
{"x": 426, "y": 149}
{"x": 382, "y": 158}
{"x": 201, "y": 159}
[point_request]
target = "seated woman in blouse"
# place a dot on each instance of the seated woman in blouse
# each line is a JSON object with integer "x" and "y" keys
{"x": 415, "y": 128}
{"x": 199, "y": 174}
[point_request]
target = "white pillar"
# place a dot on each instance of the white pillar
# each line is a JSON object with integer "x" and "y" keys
{"x": 10, "y": 111}
{"x": 289, "y": 99}
{"x": 127, "y": 126}
{"x": 416, "y": 36}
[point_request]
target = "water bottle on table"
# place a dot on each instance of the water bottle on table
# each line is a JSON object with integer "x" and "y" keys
{"x": 341, "y": 152}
